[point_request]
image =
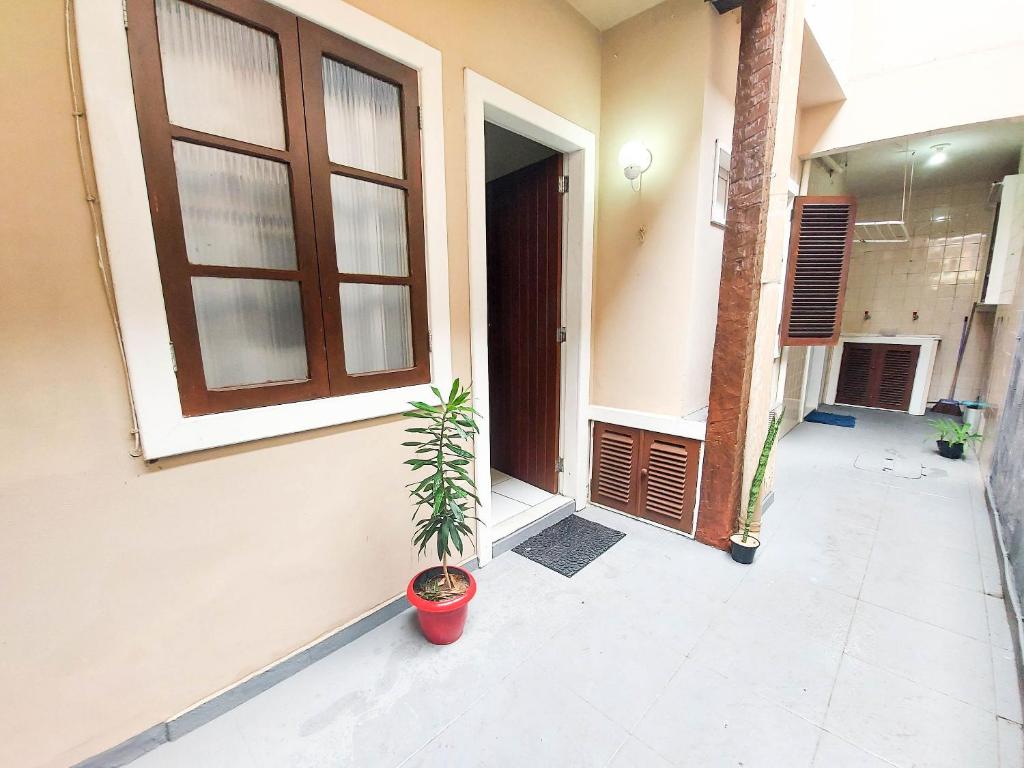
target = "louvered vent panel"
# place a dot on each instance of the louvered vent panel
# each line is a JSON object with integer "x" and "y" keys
{"x": 897, "y": 380}
{"x": 666, "y": 478}
{"x": 855, "y": 375}
{"x": 616, "y": 453}
{"x": 819, "y": 256}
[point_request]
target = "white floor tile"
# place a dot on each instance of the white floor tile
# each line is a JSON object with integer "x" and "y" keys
{"x": 517, "y": 490}
{"x": 705, "y": 719}
{"x": 908, "y": 724}
{"x": 937, "y": 658}
{"x": 504, "y": 508}
{"x": 635, "y": 754}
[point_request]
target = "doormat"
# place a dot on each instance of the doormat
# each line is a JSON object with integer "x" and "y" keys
{"x": 570, "y": 545}
{"x": 832, "y": 419}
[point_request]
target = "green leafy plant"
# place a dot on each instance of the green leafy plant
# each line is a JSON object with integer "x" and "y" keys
{"x": 774, "y": 422}
{"x": 950, "y": 432}
{"x": 446, "y": 494}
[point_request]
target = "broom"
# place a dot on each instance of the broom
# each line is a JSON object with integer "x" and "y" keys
{"x": 950, "y": 406}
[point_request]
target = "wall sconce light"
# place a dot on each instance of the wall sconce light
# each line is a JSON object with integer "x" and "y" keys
{"x": 939, "y": 155}
{"x": 916, "y": 316}
{"x": 867, "y": 314}
{"x": 635, "y": 159}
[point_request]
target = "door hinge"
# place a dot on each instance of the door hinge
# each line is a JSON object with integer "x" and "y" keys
{"x": 419, "y": 118}
{"x": 174, "y": 358}
{"x": 563, "y": 185}
{"x": 124, "y": 13}
{"x": 560, "y": 465}
{"x": 560, "y": 335}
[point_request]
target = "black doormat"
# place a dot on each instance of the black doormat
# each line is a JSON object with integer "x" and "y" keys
{"x": 570, "y": 545}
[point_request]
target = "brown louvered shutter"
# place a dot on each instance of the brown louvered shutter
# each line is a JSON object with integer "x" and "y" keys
{"x": 668, "y": 480}
{"x": 854, "y": 386}
{"x": 819, "y": 257}
{"x": 615, "y": 462}
{"x": 896, "y": 381}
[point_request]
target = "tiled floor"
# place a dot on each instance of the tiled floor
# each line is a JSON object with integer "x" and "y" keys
{"x": 869, "y": 633}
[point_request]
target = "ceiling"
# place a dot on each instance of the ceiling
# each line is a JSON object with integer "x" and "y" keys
{"x": 981, "y": 152}
{"x": 605, "y": 14}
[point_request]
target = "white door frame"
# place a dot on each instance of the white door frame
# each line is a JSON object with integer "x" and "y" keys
{"x": 493, "y": 103}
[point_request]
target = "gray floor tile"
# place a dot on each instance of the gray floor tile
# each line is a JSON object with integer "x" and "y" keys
{"x": 937, "y": 658}
{"x": 1008, "y": 701}
{"x": 895, "y": 559}
{"x": 635, "y": 754}
{"x": 953, "y": 608}
{"x": 527, "y": 721}
{"x": 998, "y": 623}
{"x": 788, "y": 668}
{"x": 833, "y": 752}
{"x": 908, "y": 724}
{"x": 706, "y": 719}
{"x": 1011, "y": 744}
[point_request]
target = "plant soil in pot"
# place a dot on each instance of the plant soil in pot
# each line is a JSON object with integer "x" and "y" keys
{"x": 743, "y": 551}
{"x": 442, "y": 604}
{"x": 951, "y": 450}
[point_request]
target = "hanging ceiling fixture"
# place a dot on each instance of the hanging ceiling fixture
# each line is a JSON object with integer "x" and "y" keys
{"x": 893, "y": 230}
{"x": 939, "y": 155}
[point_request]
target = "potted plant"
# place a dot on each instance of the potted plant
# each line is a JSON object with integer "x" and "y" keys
{"x": 952, "y": 437}
{"x": 742, "y": 545}
{"x": 445, "y": 495}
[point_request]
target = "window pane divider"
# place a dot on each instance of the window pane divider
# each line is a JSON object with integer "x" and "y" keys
{"x": 350, "y": 277}
{"x": 253, "y": 273}
{"x": 376, "y": 178}
{"x": 234, "y": 145}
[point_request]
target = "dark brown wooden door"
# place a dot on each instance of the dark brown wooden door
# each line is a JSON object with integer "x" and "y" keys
{"x": 877, "y": 375}
{"x": 524, "y": 275}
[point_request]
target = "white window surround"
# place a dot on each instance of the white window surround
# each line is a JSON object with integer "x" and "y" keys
{"x": 127, "y": 224}
{"x": 922, "y": 375}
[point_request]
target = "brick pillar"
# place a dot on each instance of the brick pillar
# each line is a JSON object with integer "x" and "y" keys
{"x": 753, "y": 142}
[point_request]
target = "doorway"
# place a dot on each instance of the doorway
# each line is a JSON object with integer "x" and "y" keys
{"x": 524, "y": 283}
{"x": 490, "y": 106}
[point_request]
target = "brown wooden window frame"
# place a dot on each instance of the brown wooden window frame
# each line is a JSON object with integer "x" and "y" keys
{"x": 300, "y": 47}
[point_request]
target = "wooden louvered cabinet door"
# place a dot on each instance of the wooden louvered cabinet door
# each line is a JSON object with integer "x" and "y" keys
{"x": 895, "y": 370}
{"x": 855, "y": 374}
{"x": 877, "y": 375}
{"x": 668, "y": 480}
{"x": 821, "y": 240}
{"x": 616, "y": 467}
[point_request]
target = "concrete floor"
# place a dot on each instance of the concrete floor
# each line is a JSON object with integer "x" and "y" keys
{"x": 870, "y": 632}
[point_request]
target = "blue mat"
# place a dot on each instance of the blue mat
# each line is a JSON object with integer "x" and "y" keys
{"x": 832, "y": 419}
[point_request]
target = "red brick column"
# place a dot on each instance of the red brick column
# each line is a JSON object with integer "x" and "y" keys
{"x": 753, "y": 141}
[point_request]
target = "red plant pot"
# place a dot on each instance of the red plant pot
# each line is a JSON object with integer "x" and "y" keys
{"x": 442, "y": 621}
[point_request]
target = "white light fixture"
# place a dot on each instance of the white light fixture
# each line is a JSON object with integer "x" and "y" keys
{"x": 635, "y": 159}
{"x": 939, "y": 155}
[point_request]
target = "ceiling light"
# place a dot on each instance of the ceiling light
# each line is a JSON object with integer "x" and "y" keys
{"x": 939, "y": 155}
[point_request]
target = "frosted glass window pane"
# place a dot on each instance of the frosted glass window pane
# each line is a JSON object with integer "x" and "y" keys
{"x": 250, "y": 331}
{"x": 220, "y": 76}
{"x": 369, "y": 227}
{"x": 376, "y": 327}
{"x": 364, "y": 126}
{"x": 236, "y": 209}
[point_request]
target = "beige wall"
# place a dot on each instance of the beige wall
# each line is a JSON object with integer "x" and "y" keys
{"x": 913, "y": 66}
{"x": 669, "y": 81}
{"x": 938, "y": 274}
{"x": 132, "y": 591}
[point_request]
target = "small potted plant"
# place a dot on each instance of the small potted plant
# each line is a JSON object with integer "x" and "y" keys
{"x": 952, "y": 437}
{"x": 444, "y": 496}
{"x": 742, "y": 545}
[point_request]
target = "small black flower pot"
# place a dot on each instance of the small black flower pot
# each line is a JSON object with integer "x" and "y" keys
{"x": 951, "y": 450}
{"x": 743, "y": 552}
